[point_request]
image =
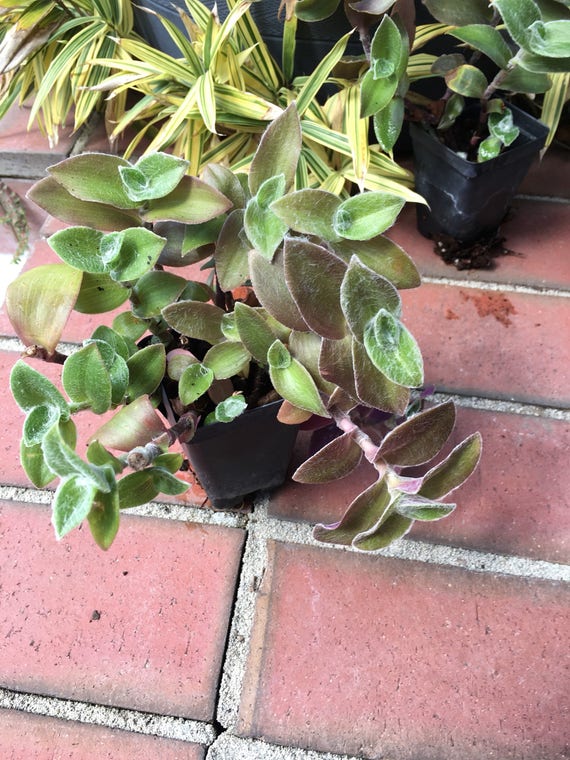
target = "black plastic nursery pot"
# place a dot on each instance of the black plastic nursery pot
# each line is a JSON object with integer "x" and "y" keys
{"x": 234, "y": 459}
{"x": 469, "y": 200}
{"x": 314, "y": 40}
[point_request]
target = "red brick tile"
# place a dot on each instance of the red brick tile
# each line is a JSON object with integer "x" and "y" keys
{"x": 34, "y": 737}
{"x": 142, "y": 625}
{"x": 386, "y": 658}
{"x": 516, "y": 502}
{"x": 549, "y": 176}
{"x": 512, "y": 346}
{"x": 536, "y": 231}
{"x": 26, "y": 152}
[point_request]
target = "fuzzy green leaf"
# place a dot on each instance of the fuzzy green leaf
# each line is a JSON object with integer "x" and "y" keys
{"x": 131, "y": 253}
{"x": 394, "y": 527}
{"x": 367, "y": 214}
{"x": 376, "y": 92}
{"x": 388, "y": 123}
{"x": 373, "y": 388}
{"x": 336, "y": 366}
{"x": 155, "y": 290}
{"x": 194, "y": 382}
{"x": 265, "y": 229}
{"x": 383, "y": 256}
{"x": 103, "y": 518}
{"x": 393, "y": 350}
{"x": 195, "y": 320}
{"x": 294, "y": 383}
{"x": 459, "y": 14}
{"x": 86, "y": 378}
{"x": 228, "y": 409}
{"x": 146, "y": 370}
{"x": 418, "y": 508}
{"x": 227, "y": 359}
{"x": 363, "y": 294}
{"x": 79, "y": 247}
{"x": 191, "y": 202}
{"x": 487, "y": 39}
{"x": 99, "y": 293}
{"x": 72, "y": 503}
{"x": 153, "y": 176}
{"x": 30, "y": 389}
{"x": 52, "y": 197}
{"x": 550, "y": 39}
{"x": 309, "y": 211}
{"x": 62, "y": 459}
{"x": 37, "y": 423}
{"x": 519, "y": 17}
{"x": 254, "y": 331}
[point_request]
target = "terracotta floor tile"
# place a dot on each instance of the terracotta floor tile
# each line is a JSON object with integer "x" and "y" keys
{"x": 34, "y": 737}
{"x": 141, "y": 626}
{"x": 26, "y": 152}
{"x": 386, "y": 658}
{"x": 512, "y": 346}
{"x": 536, "y": 231}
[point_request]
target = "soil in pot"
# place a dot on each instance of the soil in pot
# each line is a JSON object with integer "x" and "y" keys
{"x": 467, "y": 200}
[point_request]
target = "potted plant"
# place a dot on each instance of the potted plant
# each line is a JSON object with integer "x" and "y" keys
{"x": 301, "y": 305}
{"x": 472, "y": 147}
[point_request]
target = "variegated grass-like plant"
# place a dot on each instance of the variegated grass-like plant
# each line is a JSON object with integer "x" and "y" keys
{"x": 301, "y": 303}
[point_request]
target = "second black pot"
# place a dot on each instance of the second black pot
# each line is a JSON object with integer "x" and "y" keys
{"x": 468, "y": 200}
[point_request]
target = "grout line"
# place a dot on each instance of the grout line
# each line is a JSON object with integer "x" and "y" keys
{"x": 504, "y": 407}
{"x": 231, "y": 747}
{"x": 167, "y": 727}
{"x": 501, "y": 287}
{"x": 254, "y": 562}
{"x": 420, "y": 551}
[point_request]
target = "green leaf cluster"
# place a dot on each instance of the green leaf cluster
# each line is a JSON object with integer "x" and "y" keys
{"x": 301, "y": 302}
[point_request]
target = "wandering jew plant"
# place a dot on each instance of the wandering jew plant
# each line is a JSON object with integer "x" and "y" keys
{"x": 300, "y": 302}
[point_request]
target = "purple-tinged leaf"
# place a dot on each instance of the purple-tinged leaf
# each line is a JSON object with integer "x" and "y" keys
{"x": 52, "y": 197}
{"x": 373, "y": 388}
{"x": 94, "y": 177}
{"x": 133, "y": 425}
{"x": 314, "y": 276}
{"x": 289, "y": 414}
{"x": 454, "y": 470}
{"x": 278, "y": 151}
{"x": 268, "y": 280}
{"x": 383, "y": 256}
{"x": 335, "y": 460}
{"x": 103, "y": 518}
{"x": 39, "y": 302}
{"x": 336, "y": 365}
{"x": 420, "y": 438}
{"x": 232, "y": 249}
{"x": 367, "y": 510}
{"x": 394, "y": 527}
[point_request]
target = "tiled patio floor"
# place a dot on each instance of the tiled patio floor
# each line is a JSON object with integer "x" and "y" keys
{"x": 232, "y": 636}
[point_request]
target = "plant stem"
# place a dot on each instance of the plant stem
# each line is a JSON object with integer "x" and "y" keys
{"x": 344, "y": 423}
